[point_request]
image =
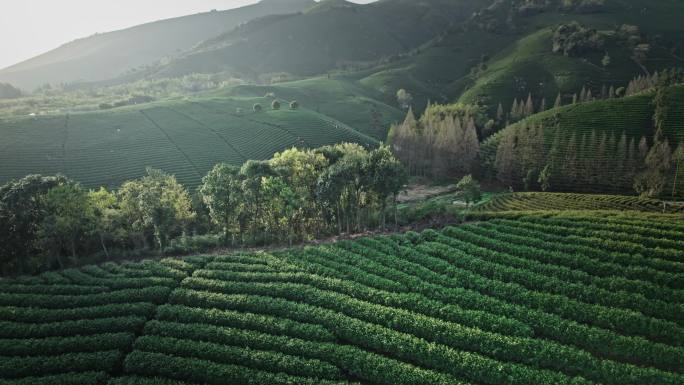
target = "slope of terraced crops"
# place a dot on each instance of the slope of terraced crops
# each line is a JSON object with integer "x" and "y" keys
{"x": 593, "y": 299}
{"x": 185, "y": 139}
{"x": 537, "y": 201}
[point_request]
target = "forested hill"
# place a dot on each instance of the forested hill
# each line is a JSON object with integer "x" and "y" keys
{"x": 107, "y": 55}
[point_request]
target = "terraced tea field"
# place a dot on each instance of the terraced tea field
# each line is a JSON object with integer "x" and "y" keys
{"x": 566, "y": 299}
{"x": 182, "y": 138}
{"x": 536, "y": 201}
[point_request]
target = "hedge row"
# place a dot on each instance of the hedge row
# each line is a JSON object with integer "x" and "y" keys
{"x": 135, "y": 380}
{"x": 408, "y": 301}
{"x": 374, "y": 337}
{"x": 324, "y": 265}
{"x": 625, "y": 251}
{"x": 207, "y": 372}
{"x": 70, "y": 328}
{"x": 489, "y": 262}
{"x": 603, "y": 275}
{"x": 233, "y": 266}
{"x": 17, "y": 367}
{"x": 535, "y": 352}
{"x": 589, "y": 259}
{"x": 243, "y": 320}
{"x": 542, "y": 260}
{"x": 59, "y": 289}
{"x": 622, "y": 321}
{"x": 85, "y": 378}
{"x": 435, "y": 275}
{"x": 53, "y": 346}
{"x": 37, "y": 315}
{"x": 250, "y": 357}
{"x": 655, "y": 239}
{"x": 361, "y": 364}
{"x": 155, "y": 294}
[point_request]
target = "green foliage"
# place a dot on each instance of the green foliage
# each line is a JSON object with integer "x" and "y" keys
{"x": 470, "y": 189}
{"x": 22, "y": 211}
{"x": 514, "y": 298}
{"x": 573, "y": 39}
{"x": 156, "y": 203}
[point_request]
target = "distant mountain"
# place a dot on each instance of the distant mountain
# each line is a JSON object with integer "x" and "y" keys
{"x": 333, "y": 34}
{"x": 107, "y": 55}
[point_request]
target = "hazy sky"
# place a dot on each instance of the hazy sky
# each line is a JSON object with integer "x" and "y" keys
{"x": 31, "y": 27}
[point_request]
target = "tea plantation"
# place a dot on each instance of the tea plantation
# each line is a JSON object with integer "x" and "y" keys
{"x": 553, "y": 298}
{"x": 183, "y": 138}
{"x": 537, "y": 201}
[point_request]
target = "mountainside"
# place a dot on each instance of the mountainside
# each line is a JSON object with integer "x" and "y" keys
{"x": 505, "y": 51}
{"x": 334, "y": 34}
{"x": 107, "y": 55}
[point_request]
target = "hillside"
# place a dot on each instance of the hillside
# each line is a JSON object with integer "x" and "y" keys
{"x": 341, "y": 98}
{"x": 576, "y": 298}
{"x": 513, "y": 55}
{"x": 185, "y": 138}
{"x": 587, "y": 135}
{"x": 108, "y": 55}
{"x": 332, "y": 35}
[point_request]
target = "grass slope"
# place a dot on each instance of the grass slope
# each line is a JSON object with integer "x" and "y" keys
{"x": 564, "y": 298}
{"x": 186, "y": 138}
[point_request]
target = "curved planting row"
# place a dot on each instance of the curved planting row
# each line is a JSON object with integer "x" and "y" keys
{"x": 77, "y": 326}
{"x": 519, "y": 299}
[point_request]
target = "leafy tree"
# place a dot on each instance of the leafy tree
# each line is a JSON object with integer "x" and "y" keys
{"x": 156, "y": 203}
{"x": 220, "y": 193}
{"x": 677, "y": 159}
{"x": 606, "y": 60}
{"x": 500, "y": 115}
{"x": 107, "y": 225}
{"x": 470, "y": 189}
{"x": 545, "y": 178}
{"x": 651, "y": 182}
{"x": 21, "y": 213}
{"x": 404, "y": 99}
{"x": 300, "y": 169}
{"x": 386, "y": 176}
{"x": 69, "y": 217}
{"x": 252, "y": 175}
